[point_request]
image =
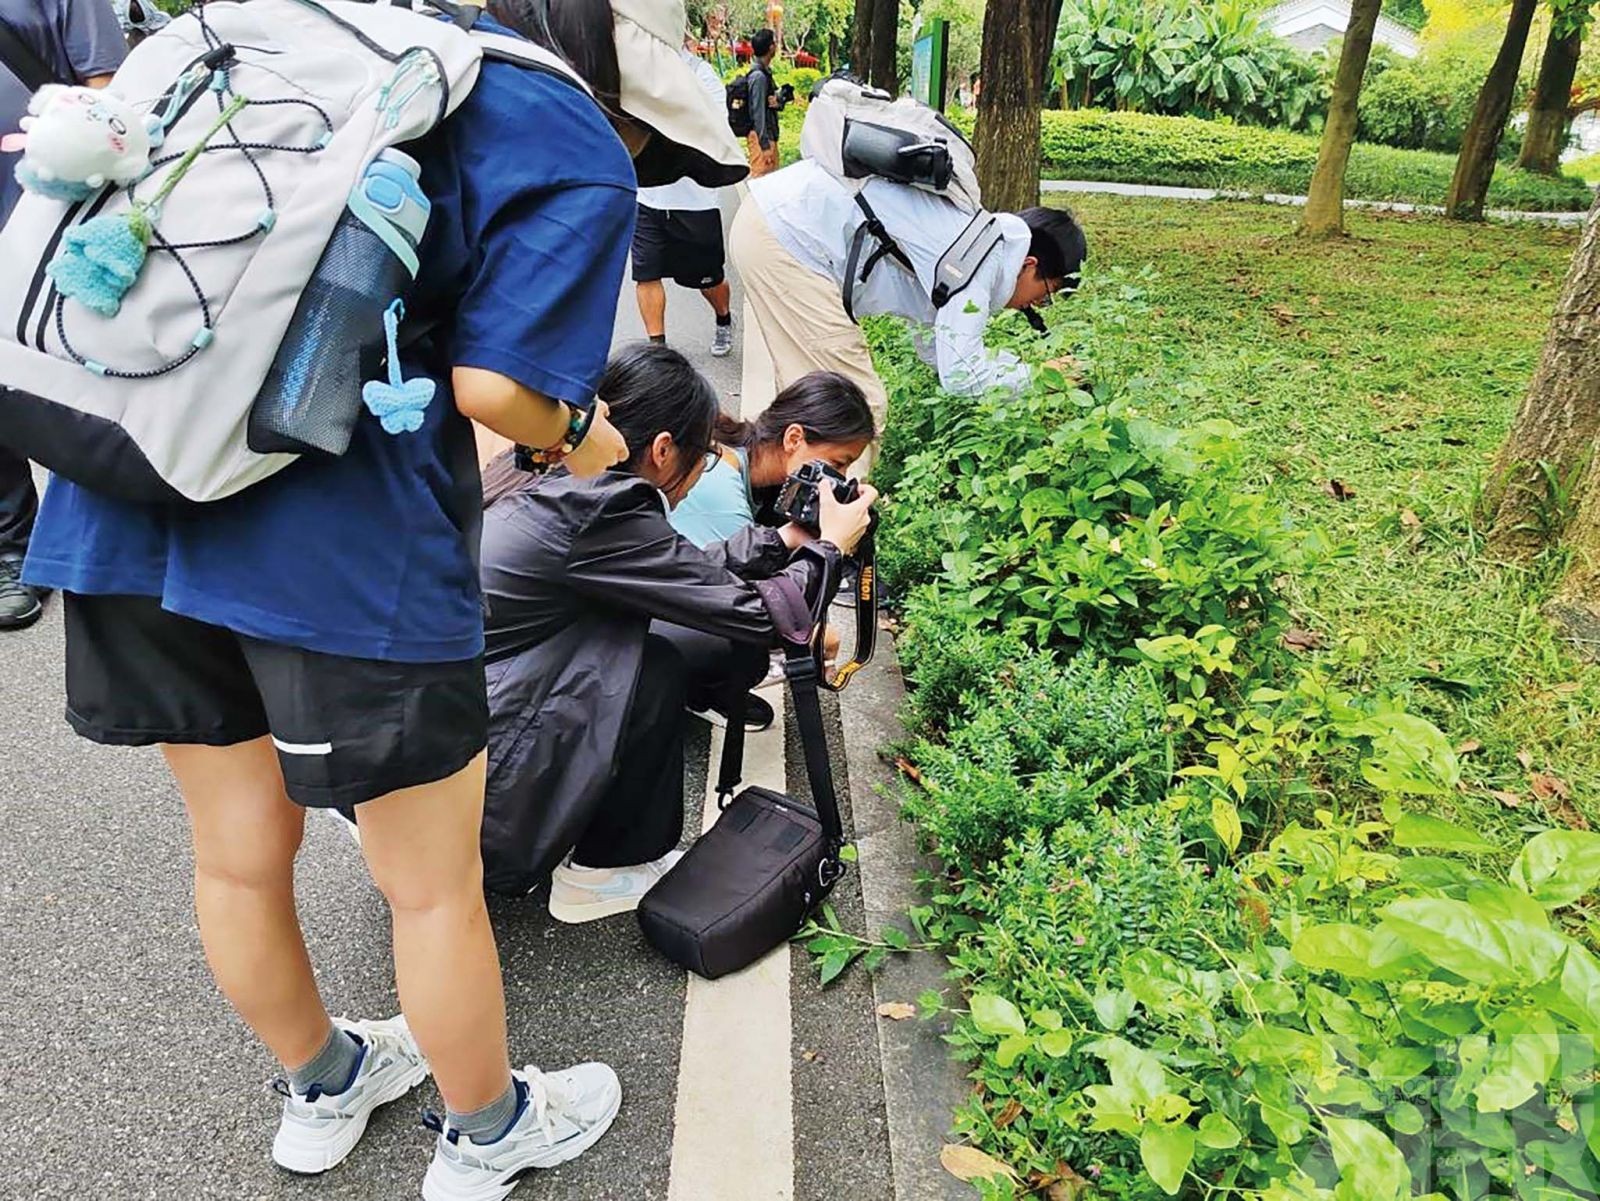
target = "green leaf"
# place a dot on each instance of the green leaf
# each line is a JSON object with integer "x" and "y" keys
{"x": 1047, "y": 1019}
{"x": 1166, "y": 1152}
{"x": 997, "y": 1016}
{"x": 1406, "y": 1118}
{"x": 1225, "y": 821}
{"x": 1460, "y": 939}
{"x": 1352, "y": 951}
{"x": 1132, "y": 1068}
{"x": 1371, "y": 1167}
{"x": 930, "y": 1002}
{"x": 1056, "y": 1043}
{"x": 1011, "y": 1049}
{"x": 1558, "y": 867}
{"x": 1420, "y": 832}
{"x": 1114, "y": 1008}
{"x": 834, "y": 962}
{"x": 1218, "y": 1133}
{"x": 848, "y": 853}
{"x": 896, "y": 938}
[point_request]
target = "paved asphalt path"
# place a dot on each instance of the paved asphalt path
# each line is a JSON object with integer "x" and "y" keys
{"x": 124, "y": 1076}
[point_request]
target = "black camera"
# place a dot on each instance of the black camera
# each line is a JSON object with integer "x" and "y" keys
{"x": 785, "y": 95}
{"x": 800, "y": 500}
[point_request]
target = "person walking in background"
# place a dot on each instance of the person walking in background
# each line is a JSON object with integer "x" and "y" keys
{"x": 41, "y": 41}
{"x": 678, "y": 236}
{"x": 764, "y": 106}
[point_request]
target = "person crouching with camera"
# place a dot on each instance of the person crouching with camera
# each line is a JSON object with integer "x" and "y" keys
{"x": 603, "y": 623}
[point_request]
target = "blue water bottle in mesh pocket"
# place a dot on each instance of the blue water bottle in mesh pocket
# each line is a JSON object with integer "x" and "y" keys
{"x": 311, "y": 398}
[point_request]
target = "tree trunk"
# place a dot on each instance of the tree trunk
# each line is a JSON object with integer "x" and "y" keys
{"x": 861, "y": 40}
{"x": 885, "y": 45}
{"x": 1544, "y": 485}
{"x": 1017, "y": 39}
{"x": 1481, "y": 144}
{"x": 1324, "y": 212}
{"x": 1552, "y": 96}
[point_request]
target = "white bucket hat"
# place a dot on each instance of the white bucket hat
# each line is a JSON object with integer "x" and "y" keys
{"x": 660, "y": 90}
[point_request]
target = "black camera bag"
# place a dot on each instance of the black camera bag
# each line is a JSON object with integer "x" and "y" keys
{"x": 753, "y": 879}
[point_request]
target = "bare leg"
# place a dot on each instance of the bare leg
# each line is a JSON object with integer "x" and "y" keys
{"x": 421, "y": 845}
{"x": 246, "y": 832}
{"x": 653, "y": 307}
{"x": 719, "y": 298}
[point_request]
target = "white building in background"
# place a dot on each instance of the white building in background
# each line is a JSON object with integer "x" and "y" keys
{"x": 1312, "y": 24}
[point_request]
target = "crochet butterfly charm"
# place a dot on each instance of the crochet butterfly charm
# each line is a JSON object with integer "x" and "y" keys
{"x": 398, "y": 403}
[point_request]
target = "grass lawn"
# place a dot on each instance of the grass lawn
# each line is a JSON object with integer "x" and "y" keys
{"x": 1391, "y": 362}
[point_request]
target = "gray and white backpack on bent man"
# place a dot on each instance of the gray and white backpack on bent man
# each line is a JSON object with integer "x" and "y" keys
{"x": 857, "y": 134}
{"x": 189, "y": 333}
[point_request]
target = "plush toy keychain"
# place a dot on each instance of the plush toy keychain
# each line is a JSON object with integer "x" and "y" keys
{"x": 76, "y": 141}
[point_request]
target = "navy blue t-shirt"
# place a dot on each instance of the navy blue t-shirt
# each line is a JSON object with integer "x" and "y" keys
{"x": 372, "y": 555}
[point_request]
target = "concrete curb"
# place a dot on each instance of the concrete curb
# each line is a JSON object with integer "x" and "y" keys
{"x": 922, "y": 1085}
{"x": 1162, "y": 192}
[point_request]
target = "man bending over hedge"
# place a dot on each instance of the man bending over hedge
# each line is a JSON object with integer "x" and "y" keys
{"x": 791, "y": 244}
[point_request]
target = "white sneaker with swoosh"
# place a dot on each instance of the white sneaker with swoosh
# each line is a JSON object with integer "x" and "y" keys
{"x": 587, "y": 894}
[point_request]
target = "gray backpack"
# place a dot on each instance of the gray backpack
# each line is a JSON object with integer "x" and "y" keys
{"x": 272, "y": 270}
{"x": 857, "y": 134}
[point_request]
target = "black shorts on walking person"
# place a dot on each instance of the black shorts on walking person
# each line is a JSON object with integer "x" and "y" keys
{"x": 346, "y": 730}
{"x": 683, "y": 245}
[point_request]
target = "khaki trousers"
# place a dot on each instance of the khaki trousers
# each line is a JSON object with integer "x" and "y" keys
{"x": 800, "y": 315}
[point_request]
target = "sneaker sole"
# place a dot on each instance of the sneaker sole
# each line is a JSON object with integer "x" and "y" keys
{"x": 310, "y": 1158}
{"x": 440, "y": 1186}
{"x": 577, "y": 915}
{"x": 713, "y": 718}
{"x": 26, "y": 620}
{"x": 722, "y": 353}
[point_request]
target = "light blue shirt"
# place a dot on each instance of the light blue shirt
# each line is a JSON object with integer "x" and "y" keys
{"x": 720, "y": 504}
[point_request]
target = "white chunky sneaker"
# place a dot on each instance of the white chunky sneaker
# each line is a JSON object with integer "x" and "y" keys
{"x": 722, "y": 341}
{"x": 319, "y": 1131}
{"x": 587, "y": 894}
{"x": 563, "y": 1114}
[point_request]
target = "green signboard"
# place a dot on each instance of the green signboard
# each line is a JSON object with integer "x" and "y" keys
{"x": 930, "y": 56}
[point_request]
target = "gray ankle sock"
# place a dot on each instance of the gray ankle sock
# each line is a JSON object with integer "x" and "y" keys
{"x": 490, "y": 1123}
{"x": 333, "y": 1068}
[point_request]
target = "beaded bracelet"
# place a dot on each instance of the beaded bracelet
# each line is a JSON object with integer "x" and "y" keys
{"x": 538, "y": 462}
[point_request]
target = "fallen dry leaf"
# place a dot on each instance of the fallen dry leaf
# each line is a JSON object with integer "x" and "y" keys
{"x": 1297, "y": 639}
{"x": 1548, "y": 788}
{"x": 969, "y": 1164}
{"x": 1338, "y": 489}
{"x": 908, "y": 769}
{"x": 1470, "y": 746}
{"x": 811, "y": 1056}
{"x": 1067, "y": 1186}
{"x": 1511, "y": 800}
{"x": 1526, "y": 759}
{"x": 1282, "y": 314}
{"x": 897, "y": 1011}
{"x": 1009, "y": 1114}
{"x": 1410, "y": 520}
{"x": 1566, "y": 689}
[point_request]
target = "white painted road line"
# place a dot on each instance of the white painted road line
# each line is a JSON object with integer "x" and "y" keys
{"x": 733, "y": 1136}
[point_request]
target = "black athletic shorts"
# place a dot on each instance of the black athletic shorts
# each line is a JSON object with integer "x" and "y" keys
{"x": 347, "y": 730}
{"x": 684, "y": 245}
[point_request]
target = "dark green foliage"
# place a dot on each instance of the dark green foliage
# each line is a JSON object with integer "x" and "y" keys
{"x": 1032, "y": 744}
{"x": 1134, "y": 148}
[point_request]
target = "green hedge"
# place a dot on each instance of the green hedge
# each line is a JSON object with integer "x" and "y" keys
{"x": 1185, "y": 151}
{"x": 1189, "y": 152}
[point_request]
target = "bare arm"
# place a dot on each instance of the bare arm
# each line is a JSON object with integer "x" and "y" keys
{"x": 503, "y": 412}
